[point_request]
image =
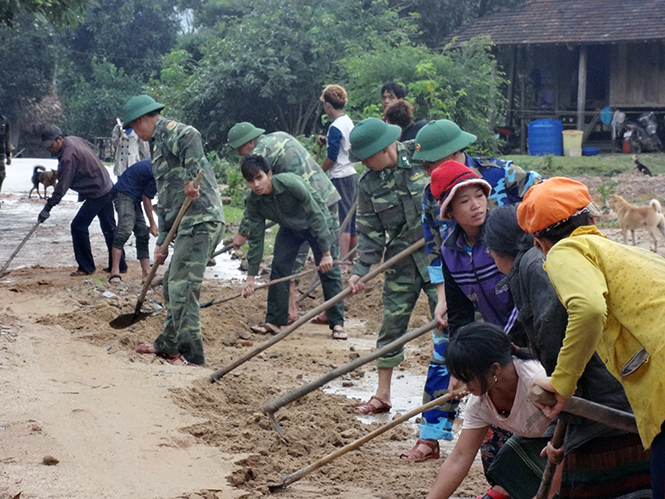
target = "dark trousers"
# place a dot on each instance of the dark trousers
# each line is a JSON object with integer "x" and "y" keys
{"x": 102, "y": 208}
{"x": 287, "y": 245}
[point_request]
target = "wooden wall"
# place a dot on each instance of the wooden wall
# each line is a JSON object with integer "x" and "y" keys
{"x": 637, "y": 77}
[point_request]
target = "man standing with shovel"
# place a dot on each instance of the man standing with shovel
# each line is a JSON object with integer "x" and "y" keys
{"x": 177, "y": 157}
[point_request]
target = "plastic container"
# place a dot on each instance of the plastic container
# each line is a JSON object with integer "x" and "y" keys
{"x": 590, "y": 151}
{"x": 625, "y": 147}
{"x": 572, "y": 142}
{"x": 545, "y": 137}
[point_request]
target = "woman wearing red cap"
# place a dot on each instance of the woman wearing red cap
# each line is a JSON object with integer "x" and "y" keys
{"x": 470, "y": 274}
{"x": 615, "y": 299}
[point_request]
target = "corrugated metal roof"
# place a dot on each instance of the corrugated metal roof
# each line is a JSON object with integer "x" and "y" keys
{"x": 540, "y": 22}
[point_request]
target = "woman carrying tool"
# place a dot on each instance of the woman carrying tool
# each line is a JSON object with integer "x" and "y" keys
{"x": 615, "y": 299}
{"x": 302, "y": 216}
{"x": 498, "y": 376}
{"x": 606, "y": 462}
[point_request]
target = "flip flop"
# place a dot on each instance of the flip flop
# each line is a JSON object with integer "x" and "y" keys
{"x": 292, "y": 319}
{"x": 339, "y": 334}
{"x": 263, "y": 328}
{"x": 115, "y": 279}
{"x": 144, "y": 348}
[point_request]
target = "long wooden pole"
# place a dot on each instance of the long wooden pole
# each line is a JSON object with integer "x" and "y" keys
{"x": 22, "y": 243}
{"x": 271, "y": 407}
{"x": 550, "y": 467}
{"x": 297, "y": 475}
{"x": 219, "y": 373}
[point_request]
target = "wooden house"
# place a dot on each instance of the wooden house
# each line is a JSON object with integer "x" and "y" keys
{"x": 567, "y": 59}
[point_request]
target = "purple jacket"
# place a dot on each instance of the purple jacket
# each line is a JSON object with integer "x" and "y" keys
{"x": 471, "y": 282}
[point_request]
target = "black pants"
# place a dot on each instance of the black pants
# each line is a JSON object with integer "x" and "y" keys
{"x": 102, "y": 208}
{"x": 287, "y": 244}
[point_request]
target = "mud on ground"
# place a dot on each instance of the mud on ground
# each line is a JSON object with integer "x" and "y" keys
{"x": 126, "y": 425}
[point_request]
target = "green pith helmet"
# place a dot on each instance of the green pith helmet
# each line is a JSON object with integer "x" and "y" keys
{"x": 241, "y": 133}
{"x": 439, "y": 139}
{"x": 371, "y": 136}
{"x": 138, "y": 106}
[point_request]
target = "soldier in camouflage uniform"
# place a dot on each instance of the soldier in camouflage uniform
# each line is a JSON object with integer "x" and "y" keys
{"x": 177, "y": 157}
{"x": 389, "y": 209}
{"x": 284, "y": 154}
{"x": 437, "y": 142}
{"x": 5, "y": 146}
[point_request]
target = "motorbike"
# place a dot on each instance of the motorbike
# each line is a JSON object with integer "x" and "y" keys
{"x": 643, "y": 135}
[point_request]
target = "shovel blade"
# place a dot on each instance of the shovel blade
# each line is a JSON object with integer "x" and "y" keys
{"x": 125, "y": 320}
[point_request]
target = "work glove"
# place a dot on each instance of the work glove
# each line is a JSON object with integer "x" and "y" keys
{"x": 43, "y": 215}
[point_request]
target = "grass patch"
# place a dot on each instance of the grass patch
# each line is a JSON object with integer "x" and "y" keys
{"x": 602, "y": 165}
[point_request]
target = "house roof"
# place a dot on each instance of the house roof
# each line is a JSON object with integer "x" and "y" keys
{"x": 542, "y": 22}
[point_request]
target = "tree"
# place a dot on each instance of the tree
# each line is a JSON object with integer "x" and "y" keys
{"x": 268, "y": 60}
{"x": 459, "y": 84}
{"x": 58, "y": 12}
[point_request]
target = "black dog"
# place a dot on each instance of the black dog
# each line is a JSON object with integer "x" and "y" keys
{"x": 640, "y": 167}
{"x": 41, "y": 176}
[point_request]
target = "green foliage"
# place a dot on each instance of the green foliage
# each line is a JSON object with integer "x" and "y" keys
{"x": 93, "y": 101}
{"x": 266, "y": 61}
{"x": 458, "y": 84}
{"x": 58, "y": 12}
{"x": 28, "y": 63}
{"x": 606, "y": 189}
{"x": 235, "y": 188}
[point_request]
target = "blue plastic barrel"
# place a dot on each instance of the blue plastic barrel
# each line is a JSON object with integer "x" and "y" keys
{"x": 545, "y": 137}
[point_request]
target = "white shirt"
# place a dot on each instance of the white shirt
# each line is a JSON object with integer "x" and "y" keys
{"x": 343, "y": 166}
{"x": 525, "y": 418}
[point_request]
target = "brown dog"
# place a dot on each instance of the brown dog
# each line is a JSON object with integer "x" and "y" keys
{"x": 632, "y": 218}
{"x": 41, "y": 176}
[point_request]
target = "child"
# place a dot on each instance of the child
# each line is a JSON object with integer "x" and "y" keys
{"x": 136, "y": 184}
{"x": 302, "y": 216}
{"x": 614, "y": 296}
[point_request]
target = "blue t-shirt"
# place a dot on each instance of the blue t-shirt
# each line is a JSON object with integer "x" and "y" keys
{"x": 137, "y": 181}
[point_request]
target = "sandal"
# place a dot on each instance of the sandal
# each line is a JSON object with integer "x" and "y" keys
{"x": 264, "y": 328}
{"x": 339, "y": 334}
{"x": 179, "y": 360}
{"x": 320, "y": 319}
{"x": 115, "y": 279}
{"x": 369, "y": 408}
{"x": 418, "y": 456}
{"x": 293, "y": 318}
{"x": 493, "y": 494}
{"x": 80, "y": 272}
{"x": 145, "y": 348}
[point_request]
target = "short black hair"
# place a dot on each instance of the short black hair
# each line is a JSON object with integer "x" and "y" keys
{"x": 562, "y": 231}
{"x": 394, "y": 88}
{"x": 475, "y": 348}
{"x": 252, "y": 164}
{"x": 503, "y": 234}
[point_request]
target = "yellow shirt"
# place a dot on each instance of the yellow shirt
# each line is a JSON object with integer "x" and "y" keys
{"x": 615, "y": 298}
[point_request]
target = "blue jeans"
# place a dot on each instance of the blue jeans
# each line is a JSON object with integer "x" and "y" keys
{"x": 102, "y": 208}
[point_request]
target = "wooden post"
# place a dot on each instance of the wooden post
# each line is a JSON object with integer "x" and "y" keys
{"x": 522, "y": 76}
{"x": 581, "y": 88}
{"x": 511, "y": 87}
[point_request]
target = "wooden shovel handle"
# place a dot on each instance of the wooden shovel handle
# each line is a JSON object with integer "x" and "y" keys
{"x": 169, "y": 238}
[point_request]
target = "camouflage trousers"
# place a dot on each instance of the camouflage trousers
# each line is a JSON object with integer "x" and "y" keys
{"x": 399, "y": 298}
{"x": 2, "y": 170}
{"x": 437, "y": 423}
{"x": 181, "y": 333}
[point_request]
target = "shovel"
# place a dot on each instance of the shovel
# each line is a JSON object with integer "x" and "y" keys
{"x": 228, "y": 247}
{"x": 126, "y": 320}
{"x": 34, "y": 228}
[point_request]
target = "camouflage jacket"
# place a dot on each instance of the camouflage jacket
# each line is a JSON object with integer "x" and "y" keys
{"x": 294, "y": 205}
{"x": 286, "y": 154}
{"x": 509, "y": 184}
{"x": 389, "y": 209}
{"x": 177, "y": 157}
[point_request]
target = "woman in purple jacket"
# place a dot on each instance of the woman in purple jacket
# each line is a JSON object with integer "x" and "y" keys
{"x": 470, "y": 274}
